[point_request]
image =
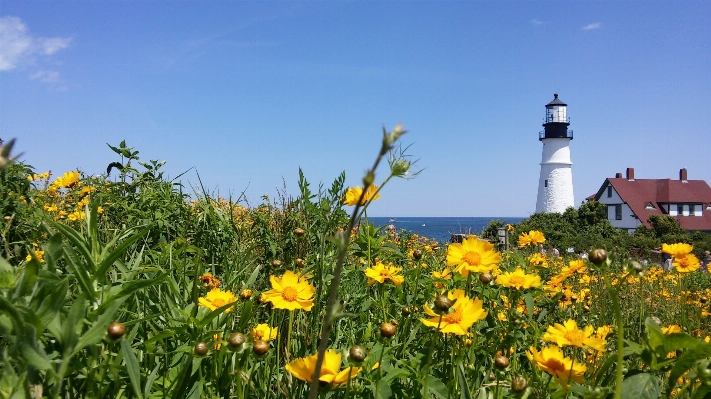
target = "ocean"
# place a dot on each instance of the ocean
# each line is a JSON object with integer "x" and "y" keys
{"x": 441, "y": 228}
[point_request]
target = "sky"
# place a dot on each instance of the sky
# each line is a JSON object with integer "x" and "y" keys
{"x": 243, "y": 94}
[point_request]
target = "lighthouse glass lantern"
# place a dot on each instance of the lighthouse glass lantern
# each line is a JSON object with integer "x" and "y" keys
{"x": 555, "y": 185}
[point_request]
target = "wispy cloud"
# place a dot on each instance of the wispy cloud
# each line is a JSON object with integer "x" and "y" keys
{"x": 536, "y": 22}
{"x": 596, "y": 25}
{"x": 19, "y": 47}
{"x": 46, "y": 76}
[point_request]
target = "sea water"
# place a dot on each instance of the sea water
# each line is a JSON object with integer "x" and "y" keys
{"x": 441, "y": 228}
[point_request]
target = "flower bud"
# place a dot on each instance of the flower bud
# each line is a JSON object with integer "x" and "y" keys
{"x": 260, "y": 347}
{"x": 387, "y": 330}
{"x": 299, "y": 231}
{"x": 598, "y": 256}
{"x": 276, "y": 263}
{"x": 236, "y": 340}
{"x": 442, "y": 304}
{"x": 518, "y": 384}
{"x": 116, "y": 330}
{"x": 417, "y": 254}
{"x": 400, "y": 167}
{"x": 299, "y": 262}
{"x": 485, "y": 277}
{"x": 501, "y": 362}
{"x": 357, "y": 354}
{"x": 201, "y": 349}
{"x": 245, "y": 294}
{"x": 406, "y": 311}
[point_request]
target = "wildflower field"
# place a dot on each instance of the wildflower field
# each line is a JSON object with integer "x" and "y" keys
{"x": 129, "y": 285}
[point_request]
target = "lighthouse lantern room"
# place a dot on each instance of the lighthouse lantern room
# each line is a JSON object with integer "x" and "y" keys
{"x": 555, "y": 185}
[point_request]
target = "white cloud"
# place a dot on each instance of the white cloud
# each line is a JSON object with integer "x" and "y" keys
{"x": 596, "y": 25}
{"x": 17, "y": 46}
{"x": 536, "y": 22}
{"x": 46, "y": 76}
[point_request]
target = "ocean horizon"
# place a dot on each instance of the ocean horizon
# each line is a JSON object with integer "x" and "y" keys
{"x": 441, "y": 228}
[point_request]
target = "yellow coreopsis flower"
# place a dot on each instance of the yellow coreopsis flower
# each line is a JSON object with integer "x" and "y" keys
{"x": 446, "y": 274}
{"x": 552, "y": 360}
{"x": 533, "y": 237}
{"x": 472, "y": 255}
{"x": 518, "y": 279}
{"x": 68, "y": 179}
{"x": 303, "y": 369}
{"x": 39, "y": 254}
{"x": 209, "y": 280}
{"x": 382, "y": 273}
{"x": 568, "y": 334}
{"x": 575, "y": 266}
{"x": 686, "y": 263}
{"x": 264, "y": 332}
{"x": 76, "y": 216}
{"x": 677, "y": 250}
{"x": 462, "y": 314}
{"x": 538, "y": 259}
{"x": 353, "y": 194}
{"x": 671, "y": 329}
{"x": 291, "y": 291}
{"x": 216, "y": 298}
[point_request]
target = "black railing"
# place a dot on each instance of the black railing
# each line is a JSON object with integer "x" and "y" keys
{"x": 542, "y": 135}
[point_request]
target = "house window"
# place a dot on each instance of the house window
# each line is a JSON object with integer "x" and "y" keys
{"x": 609, "y": 191}
{"x": 680, "y": 209}
{"x": 618, "y": 212}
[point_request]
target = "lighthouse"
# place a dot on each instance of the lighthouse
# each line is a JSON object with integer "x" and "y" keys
{"x": 555, "y": 185}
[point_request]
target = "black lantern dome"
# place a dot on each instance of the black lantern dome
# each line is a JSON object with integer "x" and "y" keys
{"x": 557, "y": 122}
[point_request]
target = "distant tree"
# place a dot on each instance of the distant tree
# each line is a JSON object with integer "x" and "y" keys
{"x": 592, "y": 213}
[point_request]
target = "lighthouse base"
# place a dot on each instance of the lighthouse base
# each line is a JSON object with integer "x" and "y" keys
{"x": 555, "y": 189}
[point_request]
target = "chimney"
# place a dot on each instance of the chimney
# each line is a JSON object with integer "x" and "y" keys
{"x": 630, "y": 174}
{"x": 618, "y": 175}
{"x": 682, "y": 175}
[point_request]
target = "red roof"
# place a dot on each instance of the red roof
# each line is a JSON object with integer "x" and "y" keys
{"x": 638, "y": 193}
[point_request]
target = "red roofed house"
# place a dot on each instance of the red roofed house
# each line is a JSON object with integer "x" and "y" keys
{"x": 630, "y": 201}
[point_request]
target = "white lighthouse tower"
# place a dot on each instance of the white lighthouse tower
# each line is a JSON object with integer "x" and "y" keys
{"x": 555, "y": 185}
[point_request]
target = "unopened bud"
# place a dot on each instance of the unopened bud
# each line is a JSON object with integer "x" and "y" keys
{"x": 400, "y": 167}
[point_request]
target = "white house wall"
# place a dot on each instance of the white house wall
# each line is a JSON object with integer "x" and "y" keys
{"x": 628, "y": 221}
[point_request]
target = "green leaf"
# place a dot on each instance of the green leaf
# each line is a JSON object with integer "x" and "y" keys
{"x": 7, "y": 274}
{"x": 465, "y": 392}
{"x": 641, "y": 386}
{"x": 437, "y": 387}
{"x": 127, "y": 289}
{"x": 108, "y": 260}
{"x": 686, "y": 361}
{"x": 27, "y": 278}
{"x": 383, "y": 390}
{"x": 79, "y": 272}
{"x": 30, "y": 349}
{"x": 78, "y": 241}
{"x": 132, "y": 367}
{"x": 151, "y": 379}
{"x": 529, "y": 305}
{"x": 52, "y": 302}
{"x": 98, "y": 330}
{"x": 73, "y": 323}
{"x": 183, "y": 378}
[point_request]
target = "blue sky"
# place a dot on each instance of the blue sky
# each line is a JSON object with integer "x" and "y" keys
{"x": 245, "y": 93}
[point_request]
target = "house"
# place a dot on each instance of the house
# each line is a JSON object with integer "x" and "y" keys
{"x": 631, "y": 201}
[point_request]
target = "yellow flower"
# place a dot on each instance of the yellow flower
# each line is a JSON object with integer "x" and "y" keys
{"x": 462, "y": 315}
{"x": 39, "y": 254}
{"x": 686, "y": 263}
{"x": 533, "y": 237}
{"x": 67, "y": 180}
{"x": 574, "y": 266}
{"x": 568, "y": 334}
{"x": 552, "y": 360}
{"x": 518, "y": 279}
{"x": 509, "y": 227}
{"x": 303, "y": 369}
{"x": 677, "y": 250}
{"x": 446, "y": 274}
{"x": 87, "y": 190}
{"x": 290, "y": 292}
{"x": 671, "y": 329}
{"x": 472, "y": 255}
{"x": 264, "y": 332}
{"x": 537, "y": 259}
{"x": 381, "y": 273}
{"x": 353, "y": 194}
{"x": 76, "y": 216}
{"x": 217, "y": 298}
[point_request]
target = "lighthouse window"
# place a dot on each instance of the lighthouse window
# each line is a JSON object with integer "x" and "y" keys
{"x": 545, "y": 183}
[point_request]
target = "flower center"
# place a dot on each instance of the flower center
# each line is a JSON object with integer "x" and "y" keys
{"x": 472, "y": 258}
{"x": 575, "y": 336}
{"x": 289, "y": 294}
{"x": 454, "y": 317}
{"x": 385, "y": 273}
{"x": 555, "y": 365}
{"x": 219, "y": 302}
{"x": 518, "y": 281}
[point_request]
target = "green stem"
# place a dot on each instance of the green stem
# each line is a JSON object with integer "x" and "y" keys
{"x": 620, "y": 337}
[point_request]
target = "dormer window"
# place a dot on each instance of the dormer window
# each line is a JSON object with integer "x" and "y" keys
{"x": 649, "y": 206}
